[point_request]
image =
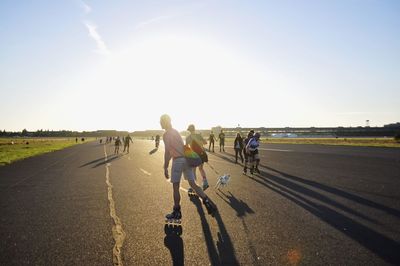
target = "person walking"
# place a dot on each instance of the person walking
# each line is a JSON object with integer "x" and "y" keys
{"x": 246, "y": 154}
{"x": 238, "y": 146}
{"x": 221, "y": 137}
{"x": 254, "y": 157}
{"x": 117, "y": 143}
{"x": 211, "y": 140}
{"x": 157, "y": 141}
{"x": 174, "y": 149}
{"x": 127, "y": 141}
{"x": 196, "y": 142}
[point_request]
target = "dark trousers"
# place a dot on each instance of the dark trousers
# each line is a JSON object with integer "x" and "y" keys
{"x": 209, "y": 146}
{"x": 238, "y": 151}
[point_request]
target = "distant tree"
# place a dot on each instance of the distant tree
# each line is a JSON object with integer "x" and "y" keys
{"x": 24, "y": 132}
{"x": 397, "y": 137}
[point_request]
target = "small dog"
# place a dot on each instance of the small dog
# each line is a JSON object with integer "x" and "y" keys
{"x": 223, "y": 181}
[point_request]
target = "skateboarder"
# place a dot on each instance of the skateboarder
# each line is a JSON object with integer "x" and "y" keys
{"x": 196, "y": 142}
{"x": 127, "y": 141}
{"x": 211, "y": 138}
{"x": 174, "y": 148}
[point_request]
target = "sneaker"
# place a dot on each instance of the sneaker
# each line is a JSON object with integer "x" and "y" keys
{"x": 205, "y": 184}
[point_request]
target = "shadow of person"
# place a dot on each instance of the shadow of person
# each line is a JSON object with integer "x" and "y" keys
{"x": 174, "y": 243}
{"x": 92, "y": 162}
{"x": 223, "y": 253}
{"x": 110, "y": 159}
{"x": 241, "y": 207}
{"x": 346, "y": 220}
{"x": 153, "y": 151}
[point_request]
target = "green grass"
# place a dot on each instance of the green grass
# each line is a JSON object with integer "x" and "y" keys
{"x": 19, "y": 150}
{"x": 366, "y": 142}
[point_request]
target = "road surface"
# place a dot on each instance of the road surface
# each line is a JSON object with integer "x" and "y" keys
{"x": 311, "y": 205}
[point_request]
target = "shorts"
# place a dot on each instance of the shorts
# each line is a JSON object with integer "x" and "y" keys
{"x": 179, "y": 166}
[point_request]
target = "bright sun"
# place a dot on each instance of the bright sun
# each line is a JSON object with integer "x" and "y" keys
{"x": 187, "y": 78}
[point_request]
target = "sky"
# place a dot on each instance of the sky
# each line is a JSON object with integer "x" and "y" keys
{"x": 90, "y": 65}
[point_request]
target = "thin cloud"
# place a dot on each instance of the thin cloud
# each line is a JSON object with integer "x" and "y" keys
{"x": 101, "y": 46}
{"x": 86, "y": 7}
{"x": 152, "y": 21}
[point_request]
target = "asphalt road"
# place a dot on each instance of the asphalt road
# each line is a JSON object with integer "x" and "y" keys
{"x": 311, "y": 205}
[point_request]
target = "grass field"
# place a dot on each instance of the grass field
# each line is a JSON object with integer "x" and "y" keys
{"x": 27, "y": 147}
{"x": 367, "y": 142}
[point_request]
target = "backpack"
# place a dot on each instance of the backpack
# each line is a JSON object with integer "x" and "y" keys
{"x": 192, "y": 158}
{"x": 252, "y": 145}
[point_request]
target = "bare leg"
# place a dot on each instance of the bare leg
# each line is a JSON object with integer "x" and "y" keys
{"x": 177, "y": 195}
{"x": 197, "y": 189}
{"x": 202, "y": 172}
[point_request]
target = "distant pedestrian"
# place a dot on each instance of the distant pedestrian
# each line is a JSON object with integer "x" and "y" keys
{"x": 76, "y": 140}
{"x": 211, "y": 140}
{"x": 157, "y": 141}
{"x": 221, "y": 137}
{"x": 252, "y": 150}
{"x": 117, "y": 143}
{"x": 127, "y": 141}
{"x": 174, "y": 148}
{"x": 196, "y": 142}
{"x": 238, "y": 146}
{"x": 246, "y": 155}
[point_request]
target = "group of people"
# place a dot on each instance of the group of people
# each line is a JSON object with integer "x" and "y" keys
{"x": 249, "y": 148}
{"x": 119, "y": 141}
{"x": 212, "y": 140}
{"x": 174, "y": 149}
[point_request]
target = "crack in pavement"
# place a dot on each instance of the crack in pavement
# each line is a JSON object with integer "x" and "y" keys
{"x": 117, "y": 230}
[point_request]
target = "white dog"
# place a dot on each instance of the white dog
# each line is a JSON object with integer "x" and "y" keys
{"x": 223, "y": 181}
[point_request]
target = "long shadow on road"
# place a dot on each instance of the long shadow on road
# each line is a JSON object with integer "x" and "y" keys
{"x": 242, "y": 209}
{"x": 174, "y": 243}
{"x": 225, "y": 255}
{"x": 340, "y": 193}
{"x": 381, "y": 245}
{"x": 333, "y": 190}
{"x": 101, "y": 161}
{"x": 295, "y": 189}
